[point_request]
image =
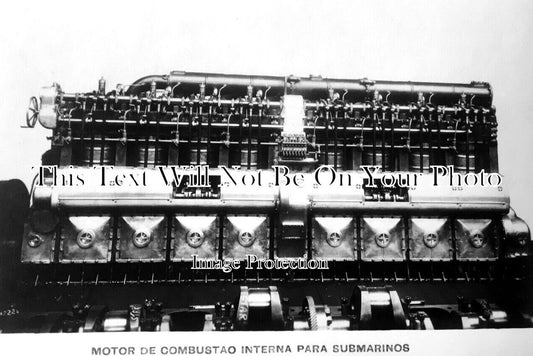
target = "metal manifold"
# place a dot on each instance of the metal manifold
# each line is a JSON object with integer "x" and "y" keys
{"x": 391, "y": 187}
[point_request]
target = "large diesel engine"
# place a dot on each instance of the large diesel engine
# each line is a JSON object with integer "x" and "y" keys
{"x": 283, "y": 203}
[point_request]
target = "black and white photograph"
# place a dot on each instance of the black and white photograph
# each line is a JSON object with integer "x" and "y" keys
{"x": 266, "y": 178}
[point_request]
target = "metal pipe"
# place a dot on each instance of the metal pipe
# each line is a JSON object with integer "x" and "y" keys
{"x": 313, "y": 85}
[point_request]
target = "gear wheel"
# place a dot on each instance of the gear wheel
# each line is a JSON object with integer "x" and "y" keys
{"x": 310, "y": 308}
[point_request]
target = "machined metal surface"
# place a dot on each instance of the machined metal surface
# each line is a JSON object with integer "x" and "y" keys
{"x": 194, "y": 235}
{"x": 384, "y": 196}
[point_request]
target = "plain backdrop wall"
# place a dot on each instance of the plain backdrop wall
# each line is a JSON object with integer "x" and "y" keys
{"x": 452, "y": 41}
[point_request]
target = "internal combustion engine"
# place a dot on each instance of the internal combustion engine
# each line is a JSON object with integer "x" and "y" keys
{"x": 216, "y": 202}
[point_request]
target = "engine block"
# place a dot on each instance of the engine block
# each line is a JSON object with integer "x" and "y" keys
{"x": 379, "y": 199}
